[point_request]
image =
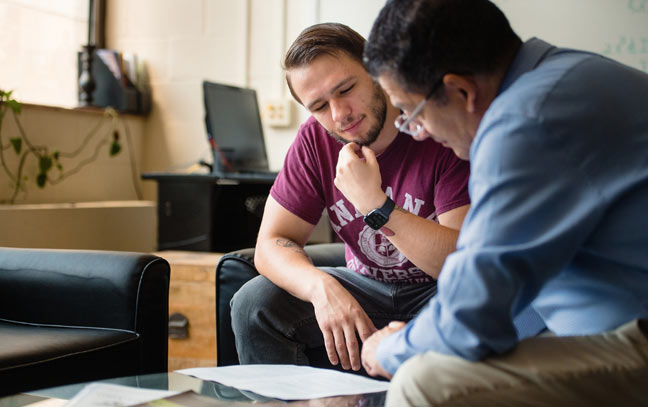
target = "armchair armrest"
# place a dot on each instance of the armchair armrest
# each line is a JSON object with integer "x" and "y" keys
{"x": 83, "y": 288}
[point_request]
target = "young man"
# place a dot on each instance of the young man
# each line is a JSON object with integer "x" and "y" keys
{"x": 557, "y": 141}
{"x": 295, "y": 313}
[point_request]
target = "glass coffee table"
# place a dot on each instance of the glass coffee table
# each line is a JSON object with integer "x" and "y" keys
{"x": 222, "y": 395}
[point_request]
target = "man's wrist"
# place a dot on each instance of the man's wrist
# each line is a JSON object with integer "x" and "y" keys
{"x": 384, "y": 356}
{"x": 319, "y": 287}
{"x": 373, "y": 203}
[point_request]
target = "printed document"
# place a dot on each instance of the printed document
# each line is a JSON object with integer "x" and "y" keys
{"x": 288, "y": 382}
{"x": 112, "y": 395}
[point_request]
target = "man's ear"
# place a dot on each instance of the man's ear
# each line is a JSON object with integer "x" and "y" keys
{"x": 466, "y": 87}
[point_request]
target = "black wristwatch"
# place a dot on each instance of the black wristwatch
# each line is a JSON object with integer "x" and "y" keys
{"x": 379, "y": 216}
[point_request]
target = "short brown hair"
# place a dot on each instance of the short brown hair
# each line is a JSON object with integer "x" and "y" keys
{"x": 322, "y": 39}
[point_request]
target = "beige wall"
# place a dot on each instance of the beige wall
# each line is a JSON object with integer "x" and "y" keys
{"x": 96, "y": 208}
{"x": 236, "y": 42}
{"x": 242, "y": 43}
{"x": 107, "y": 225}
{"x": 106, "y": 178}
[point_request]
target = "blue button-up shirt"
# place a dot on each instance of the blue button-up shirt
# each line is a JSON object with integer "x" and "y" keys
{"x": 559, "y": 215}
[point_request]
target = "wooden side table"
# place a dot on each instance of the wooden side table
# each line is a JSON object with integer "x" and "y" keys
{"x": 192, "y": 293}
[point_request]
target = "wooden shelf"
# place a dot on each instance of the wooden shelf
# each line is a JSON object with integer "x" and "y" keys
{"x": 192, "y": 293}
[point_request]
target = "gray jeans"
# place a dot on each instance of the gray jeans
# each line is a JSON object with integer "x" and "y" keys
{"x": 273, "y": 327}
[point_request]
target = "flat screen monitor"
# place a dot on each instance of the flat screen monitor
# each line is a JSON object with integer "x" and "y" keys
{"x": 234, "y": 128}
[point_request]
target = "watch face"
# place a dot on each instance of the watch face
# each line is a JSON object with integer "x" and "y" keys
{"x": 378, "y": 217}
{"x": 375, "y": 219}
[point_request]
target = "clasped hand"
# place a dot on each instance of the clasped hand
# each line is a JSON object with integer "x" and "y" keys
{"x": 370, "y": 347}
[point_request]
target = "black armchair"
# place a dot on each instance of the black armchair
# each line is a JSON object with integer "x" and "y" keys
{"x": 68, "y": 316}
{"x": 235, "y": 269}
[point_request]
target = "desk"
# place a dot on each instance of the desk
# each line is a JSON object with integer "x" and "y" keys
{"x": 205, "y": 212}
{"x": 223, "y": 395}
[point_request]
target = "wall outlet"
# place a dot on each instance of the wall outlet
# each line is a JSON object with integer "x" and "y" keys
{"x": 277, "y": 113}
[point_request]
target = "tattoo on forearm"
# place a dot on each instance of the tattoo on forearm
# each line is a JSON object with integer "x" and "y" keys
{"x": 287, "y": 243}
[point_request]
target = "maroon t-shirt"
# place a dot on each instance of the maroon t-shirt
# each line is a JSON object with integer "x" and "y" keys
{"x": 422, "y": 177}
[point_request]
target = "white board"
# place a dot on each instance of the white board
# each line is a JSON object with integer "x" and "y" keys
{"x": 615, "y": 28}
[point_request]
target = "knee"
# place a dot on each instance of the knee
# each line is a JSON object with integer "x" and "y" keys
{"x": 248, "y": 297}
{"x": 257, "y": 296}
{"x": 422, "y": 380}
{"x": 405, "y": 387}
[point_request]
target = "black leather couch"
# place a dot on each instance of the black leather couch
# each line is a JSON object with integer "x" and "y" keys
{"x": 233, "y": 270}
{"x": 69, "y": 316}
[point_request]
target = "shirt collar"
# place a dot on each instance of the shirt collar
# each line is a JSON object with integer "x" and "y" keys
{"x": 531, "y": 53}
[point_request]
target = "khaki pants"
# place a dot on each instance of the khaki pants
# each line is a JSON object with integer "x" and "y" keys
{"x": 610, "y": 369}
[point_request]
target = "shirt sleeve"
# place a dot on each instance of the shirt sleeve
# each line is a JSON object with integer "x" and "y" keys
{"x": 528, "y": 218}
{"x": 451, "y": 188}
{"x": 298, "y": 187}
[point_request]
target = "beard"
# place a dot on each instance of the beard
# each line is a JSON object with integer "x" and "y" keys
{"x": 378, "y": 108}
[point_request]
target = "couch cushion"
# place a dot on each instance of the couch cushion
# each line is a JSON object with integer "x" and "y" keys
{"x": 24, "y": 344}
{"x": 37, "y": 356}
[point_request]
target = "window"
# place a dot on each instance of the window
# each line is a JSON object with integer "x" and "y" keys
{"x": 38, "y": 49}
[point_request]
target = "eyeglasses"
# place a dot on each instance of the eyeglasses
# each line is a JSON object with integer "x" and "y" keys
{"x": 404, "y": 123}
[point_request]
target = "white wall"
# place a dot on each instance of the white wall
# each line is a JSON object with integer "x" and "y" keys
{"x": 242, "y": 43}
{"x": 38, "y": 47}
{"x": 615, "y": 28}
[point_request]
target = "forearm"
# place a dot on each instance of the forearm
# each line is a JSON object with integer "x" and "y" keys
{"x": 286, "y": 264}
{"x": 424, "y": 242}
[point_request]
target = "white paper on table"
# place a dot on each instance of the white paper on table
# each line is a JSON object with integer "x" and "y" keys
{"x": 114, "y": 395}
{"x": 288, "y": 382}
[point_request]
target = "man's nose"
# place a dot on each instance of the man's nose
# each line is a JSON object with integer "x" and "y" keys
{"x": 340, "y": 111}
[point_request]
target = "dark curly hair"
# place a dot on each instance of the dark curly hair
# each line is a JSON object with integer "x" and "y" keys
{"x": 416, "y": 42}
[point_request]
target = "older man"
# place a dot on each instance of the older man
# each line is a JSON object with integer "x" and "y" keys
{"x": 557, "y": 141}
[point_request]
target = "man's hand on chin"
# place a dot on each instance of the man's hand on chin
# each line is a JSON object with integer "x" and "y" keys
{"x": 357, "y": 176}
{"x": 370, "y": 346}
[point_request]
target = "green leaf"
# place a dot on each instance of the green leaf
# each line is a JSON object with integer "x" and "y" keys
{"x": 14, "y": 105}
{"x": 45, "y": 163}
{"x": 16, "y": 142}
{"x": 115, "y": 148}
{"x": 41, "y": 179}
